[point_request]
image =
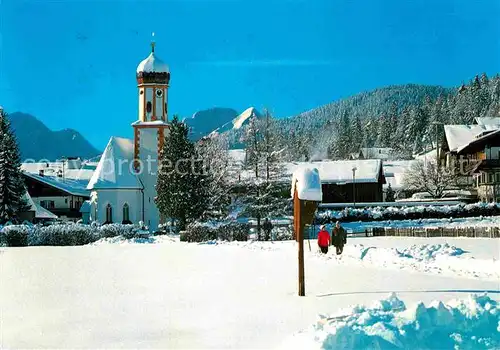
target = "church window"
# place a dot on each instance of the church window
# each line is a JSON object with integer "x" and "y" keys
{"x": 109, "y": 214}
{"x": 126, "y": 214}
{"x": 149, "y": 107}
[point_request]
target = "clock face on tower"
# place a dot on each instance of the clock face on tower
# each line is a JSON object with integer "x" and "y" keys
{"x": 159, "y": 93}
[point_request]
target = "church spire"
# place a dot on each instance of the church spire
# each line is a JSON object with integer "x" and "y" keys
{"x": 153, "y": 42}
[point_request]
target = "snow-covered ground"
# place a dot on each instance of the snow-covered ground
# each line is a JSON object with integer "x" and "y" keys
{"x": 161, "y": 293}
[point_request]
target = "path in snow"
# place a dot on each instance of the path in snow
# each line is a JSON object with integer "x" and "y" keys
{"x": 177, "y": 295}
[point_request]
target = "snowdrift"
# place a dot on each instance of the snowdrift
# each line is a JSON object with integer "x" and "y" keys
{"x": 473, "y": 323}
{"x": 428, "y": 258}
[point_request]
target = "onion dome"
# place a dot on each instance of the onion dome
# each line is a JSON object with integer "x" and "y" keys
{"x": 152, "y": 69}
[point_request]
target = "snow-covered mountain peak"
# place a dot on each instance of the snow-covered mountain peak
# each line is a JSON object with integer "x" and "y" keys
{"x": 248, "y": 114}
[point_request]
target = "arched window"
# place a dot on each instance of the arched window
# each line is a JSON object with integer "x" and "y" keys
{"x": 109, "y": 214}
{"x": 149, "y": 107}
{"x": 126, "y": 214}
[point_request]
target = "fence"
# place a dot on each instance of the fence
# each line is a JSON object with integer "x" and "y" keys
{"x": 473, "y": 232}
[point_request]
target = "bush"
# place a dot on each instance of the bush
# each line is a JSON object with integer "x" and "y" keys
{"x": 113, "y": 230}
{"x": 202, "y": 232}
{"x": 283, "y": 233}
{"x": 234, "y": 231}
{"x": 15, "y": 235}
{"x": 199, "y": 232}
{"x": 407, "y": 213}
{"x": 64, "y": 235}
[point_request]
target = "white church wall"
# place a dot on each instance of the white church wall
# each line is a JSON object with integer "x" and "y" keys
{"x": 117, "y": 198}
{"x": 141, "y": 103}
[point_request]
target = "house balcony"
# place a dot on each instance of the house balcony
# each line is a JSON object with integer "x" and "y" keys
{"x": 489, "y": 164}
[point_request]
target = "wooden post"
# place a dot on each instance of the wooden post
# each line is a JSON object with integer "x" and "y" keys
{"x": 300, "y": 238}
{"x": 303, "y": 213}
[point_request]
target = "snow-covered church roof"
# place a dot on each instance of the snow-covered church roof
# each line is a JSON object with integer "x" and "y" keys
{"x": 115, "y": 169}
{"x": 152, "y": 64}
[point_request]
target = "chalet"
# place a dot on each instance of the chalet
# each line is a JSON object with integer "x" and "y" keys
{"x": 58, "y": 187}
{"x": 350, "y": 181}
{"x": 475, "y": 151}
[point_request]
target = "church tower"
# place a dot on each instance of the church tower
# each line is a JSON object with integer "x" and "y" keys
{"x": 153, "y": 77}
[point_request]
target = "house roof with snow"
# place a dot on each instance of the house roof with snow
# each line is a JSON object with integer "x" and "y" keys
{"x": 40, "y": 212}
{"x": 460, "y": 135}
{"x": 115, "y": 169}
{"x": 479, "y": 141}
{"x": 341, "y": 172}
{"x": 394, "y": 172}
{"x": 75, "y": 187}
{"x": 488, "y": 121}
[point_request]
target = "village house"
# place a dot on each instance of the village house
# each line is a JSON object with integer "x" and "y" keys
{"x": 474, "y": 150}
{"x": 59, "y": 187}
{"x": 349, "y": 181}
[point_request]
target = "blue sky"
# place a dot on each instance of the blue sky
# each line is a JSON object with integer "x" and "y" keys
{"x": 72, "y": 63}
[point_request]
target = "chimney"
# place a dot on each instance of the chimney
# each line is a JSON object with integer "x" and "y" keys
{"x": 73, "y": 163}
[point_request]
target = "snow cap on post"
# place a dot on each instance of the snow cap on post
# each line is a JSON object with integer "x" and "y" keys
{"x": 308, "y": 184}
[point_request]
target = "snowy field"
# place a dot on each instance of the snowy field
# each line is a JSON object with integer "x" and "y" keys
{"x": 162, "y": 293}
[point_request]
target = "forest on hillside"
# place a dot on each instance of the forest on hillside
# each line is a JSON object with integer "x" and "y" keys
{"x": 403, "y": 117}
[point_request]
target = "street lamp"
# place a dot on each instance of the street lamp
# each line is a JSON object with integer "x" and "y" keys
{"x": 354, "y": 185}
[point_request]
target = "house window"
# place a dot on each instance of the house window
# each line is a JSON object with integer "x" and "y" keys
{"x": 126, "y": 214}
{"x": 47, "y": 204}
{"x": 491, "y": 178}
{"x": 109, "y": 214}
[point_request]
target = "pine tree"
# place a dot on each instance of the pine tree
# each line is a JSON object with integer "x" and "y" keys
{"x": 390, "y": 195}
{"x": 182, "y": 184}
{"x": 384, "y": 131}
{"x": 341, "y": 145}
{"x": 357, "y": 134}
{"x": 12, "y": 187}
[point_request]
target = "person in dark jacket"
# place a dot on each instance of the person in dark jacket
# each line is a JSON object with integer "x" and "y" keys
{"x": 323, "y": 239}
{"x": 339, "y": 238}
{"x": 268, "y": 227}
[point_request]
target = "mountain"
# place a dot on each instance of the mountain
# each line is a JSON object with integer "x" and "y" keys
{"x": 234, "y": 131}
{"x": 37, "y": 142}
{"x": 240, "y": 121}
{"x": 402, "y": 117}
{"x": 204, "y": 122}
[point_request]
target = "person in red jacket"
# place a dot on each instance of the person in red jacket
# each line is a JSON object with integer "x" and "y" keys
{"x": 323, "y": 239}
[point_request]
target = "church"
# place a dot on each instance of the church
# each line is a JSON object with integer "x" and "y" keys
{"x": 123, "y": 186}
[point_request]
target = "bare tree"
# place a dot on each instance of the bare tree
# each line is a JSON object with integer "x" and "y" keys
{"x": 431, "y": 178}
